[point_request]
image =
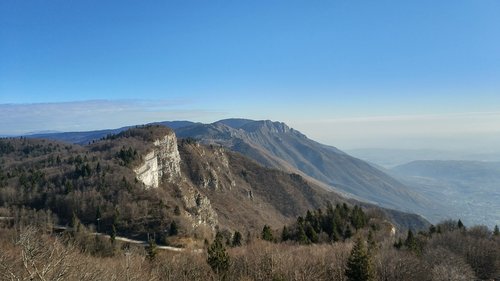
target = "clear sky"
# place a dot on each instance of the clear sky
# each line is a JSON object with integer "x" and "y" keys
{"x": 404, "y": 74}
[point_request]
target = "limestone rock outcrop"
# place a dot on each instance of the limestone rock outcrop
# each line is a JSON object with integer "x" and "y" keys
{"x": 163, "y": 163}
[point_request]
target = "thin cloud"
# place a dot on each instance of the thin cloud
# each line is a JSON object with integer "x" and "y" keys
{"x": 92, "y": 114}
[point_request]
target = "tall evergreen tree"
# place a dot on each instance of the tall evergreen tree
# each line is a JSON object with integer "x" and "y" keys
{"x": 328, "y": 225}
{"x": 266, "y": 233}
{"x": 335, "y": 236}
{"x": 301, "y": 235}
{"x": 174, "y": 230}
{"x": 300, "y": 220}
{"x": 329, "y": 209}
{"x": 496, "y": 231}
{"x": 347, "y": 232}
{"x": 311, "y": 234}
{"x": 372, "y": 244}
{"x": 359, "y": 266}
{"x": 113, "y": 234}
{"x": 218, "y": 258}
{"x": 285, "y": 234}
{"x": 411, "y": 241}
{"x": 432, "y": 229}
{"x": 309, "y": 217}
{"x": 358, "y": 218}
{"x": 345, "y": 211}
{"x": 151, "y": 249}
{"x": 236, "y": 239}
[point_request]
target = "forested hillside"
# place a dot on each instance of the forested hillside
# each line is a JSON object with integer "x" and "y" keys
{"x": 69, "y": 212}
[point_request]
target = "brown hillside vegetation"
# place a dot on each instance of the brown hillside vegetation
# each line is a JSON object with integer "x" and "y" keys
{"x": 275, "y": 145}
{"x": 245, "y": 193}
{"x": 93, "y": 184}
{"x": 445, "y": 252}
{"x": 96, "y": 184}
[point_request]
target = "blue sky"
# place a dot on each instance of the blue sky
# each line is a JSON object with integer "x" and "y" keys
{"x": 348, "y": 73}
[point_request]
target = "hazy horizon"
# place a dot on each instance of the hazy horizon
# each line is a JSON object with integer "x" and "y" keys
{"x": 314, "y": 130}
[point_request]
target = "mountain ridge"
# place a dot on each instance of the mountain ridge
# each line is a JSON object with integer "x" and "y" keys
{"x": 115, "y": 180}
{"x": 276, "y": 145}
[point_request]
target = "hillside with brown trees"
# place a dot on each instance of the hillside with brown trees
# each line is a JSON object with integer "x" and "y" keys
{"x": 97, "y": 186}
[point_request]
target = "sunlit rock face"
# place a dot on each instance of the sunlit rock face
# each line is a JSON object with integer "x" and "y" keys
{"x": 163, "y": 163}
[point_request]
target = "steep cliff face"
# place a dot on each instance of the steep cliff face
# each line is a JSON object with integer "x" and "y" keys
{"x": 163, "y": 163}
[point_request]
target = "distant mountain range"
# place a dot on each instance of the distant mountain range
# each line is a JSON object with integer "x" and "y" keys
{"x": 87, "y": 137}
{"x": 275, "y": 145}
{"x": 390, "y": 158}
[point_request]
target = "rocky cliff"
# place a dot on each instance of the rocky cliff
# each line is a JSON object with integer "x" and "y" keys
{"x": 163, "y": 163}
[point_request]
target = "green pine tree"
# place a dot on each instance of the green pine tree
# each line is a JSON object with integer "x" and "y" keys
{"x": 301, "y": 235}
{"x": 411, "y": 241}
{"x": 266, "y": 233}
{"x": 237, "y": 237}
{"x": 372, "y": 244}
{"x": 151, "y": 249}
{"x": 218, "y": 258}
{"x": 496, "y": 231}
{"x": 432, "y": 229}
{"x": 359, "y": 266}
{"x": 285, "y": 234}
{"x": 347, "y": 232}
{"x": 335, "y": 236}
{"x": 311, "y": 234}
{"x": 113, "y": 234}
{"x": 309, "y": 217}
{"x": 174, "y": 230}
{"x": 358, "y": 218}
